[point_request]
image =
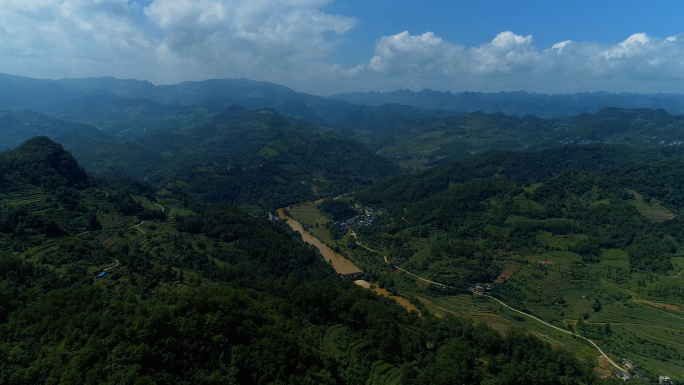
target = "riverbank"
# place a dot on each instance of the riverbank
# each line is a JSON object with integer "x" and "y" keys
{"x": 340, "y": 263}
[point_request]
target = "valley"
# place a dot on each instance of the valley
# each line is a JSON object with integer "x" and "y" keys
{"x": 157, "y": 208}
{"x": 572, "y": 283}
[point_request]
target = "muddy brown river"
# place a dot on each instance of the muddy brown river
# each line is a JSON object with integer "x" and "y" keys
{"x": 339, "y": 263}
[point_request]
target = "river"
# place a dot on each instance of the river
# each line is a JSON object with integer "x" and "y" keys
{"x": 339, "y": 263}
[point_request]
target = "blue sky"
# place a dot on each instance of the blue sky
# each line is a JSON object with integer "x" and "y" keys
{"x": 326, "y": 47}
{"x": 474, "y": 22}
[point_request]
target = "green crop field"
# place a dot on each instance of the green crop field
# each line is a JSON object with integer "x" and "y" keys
{"x": 23, "y": 198}
{"x": 310, "y": 216}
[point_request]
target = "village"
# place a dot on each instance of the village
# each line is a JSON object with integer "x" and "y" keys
{"x": 366, "y": 216}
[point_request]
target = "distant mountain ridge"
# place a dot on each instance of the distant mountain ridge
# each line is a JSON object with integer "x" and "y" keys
{"x": 50, "y": 96}
{"x": 519, "y": 103}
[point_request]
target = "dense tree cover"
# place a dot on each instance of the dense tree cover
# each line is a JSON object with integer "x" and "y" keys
{"x": 224, "y": 297}
{"x": 633, "y": 166}
{"x": 420, "y": 140}
{"x": 338, "y": 210}
{"x": 482, "y": 202}
{"x": 42, "y": 162}
{"x": 296, "y": 166}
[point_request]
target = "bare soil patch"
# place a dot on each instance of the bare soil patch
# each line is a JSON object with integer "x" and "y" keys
{"x": 105, "y": 239}
{"x": 111, "y": 222}
{"x": 401, "y": 301}
{"x": 663, "y": 305}
{"x": 603, "y": 370}
{"x": 506, "y": 274}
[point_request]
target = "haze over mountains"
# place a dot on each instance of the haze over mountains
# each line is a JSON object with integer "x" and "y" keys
{"x": 520, "y": 103}
{"x": 75, "y": 97}
{"x": 126, "y": 126}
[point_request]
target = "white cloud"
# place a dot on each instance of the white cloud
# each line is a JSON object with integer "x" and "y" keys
{"x": 70, "y": 37}
{"x": 419, "y": 52}
{"x": 640, "y": 63}
{"x": 169, "y": 40}
{"x": 292, "y": 42}
{"x": 253, "y": 38}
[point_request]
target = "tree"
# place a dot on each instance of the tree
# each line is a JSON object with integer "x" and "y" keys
{"x": 607, "y": 330}
{"x": 597, "y": 305}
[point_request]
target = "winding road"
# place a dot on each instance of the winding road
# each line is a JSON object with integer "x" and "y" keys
{"x": 503, "y": 304}
{"x": 113, "y": 266}
{"x": 559, "y": 329}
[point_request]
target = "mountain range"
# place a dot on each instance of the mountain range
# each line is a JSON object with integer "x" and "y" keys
{"x": 136, "y": 246}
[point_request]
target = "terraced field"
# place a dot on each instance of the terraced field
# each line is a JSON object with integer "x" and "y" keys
{"x": 465, "y": 306}
{"x": 149, "y": 230}
{"x": 23, "y": 198}
{"x": 650, "y": 336}
{"x": 174, "y": 207}
{"x": 383, "y": 373}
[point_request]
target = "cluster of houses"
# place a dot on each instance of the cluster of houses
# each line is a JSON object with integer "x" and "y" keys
{"x": 366, "y": 217}
{"x": 482, "y": 288}
{"x": 631, "y": 366}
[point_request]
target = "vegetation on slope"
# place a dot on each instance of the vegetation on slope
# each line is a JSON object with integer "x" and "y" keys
{"x": 210, "y": 295}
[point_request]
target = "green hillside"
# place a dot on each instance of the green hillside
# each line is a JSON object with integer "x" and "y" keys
{"x": 113, "y": 281}
{"x": 582, "y": 250}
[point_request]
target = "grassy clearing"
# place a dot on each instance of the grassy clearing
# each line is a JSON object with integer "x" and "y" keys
{"x": 678, "y": 263}
{"x": 508, "y": 272}
{"x": 563, "y": 242}
{"x": 309, "y": 215}
{"x": 652, "y": 337}
{"x": 615, "y": 258}
{"x": 523, "y": 204}
{"x": 653, "y": 211}
{"x": 480, "y": 309}
{"x": 533, "y": 187}
{"x": 331, "y": 340}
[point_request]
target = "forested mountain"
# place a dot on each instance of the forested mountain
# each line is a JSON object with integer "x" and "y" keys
{"x": 229, "y": 155}
{"x": 92, "y": 100}
{"x": 295, "y": 166}
{"x": 79, "y": 99}
{"x": 419, "y": 140}
{"x": 113, "y": 281}
{"x": 18, "y": 126}
{"x": 531, "y": 167}
{"x": 241, "y": 156}
{"x": 519, "y": 103}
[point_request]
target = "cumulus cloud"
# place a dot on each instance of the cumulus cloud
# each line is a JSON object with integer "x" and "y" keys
{"x": 168, "y": 40}
{"x": 71, "y": 37}
{"x": 640, "y": 63}
{"x": 247, "y": 33}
